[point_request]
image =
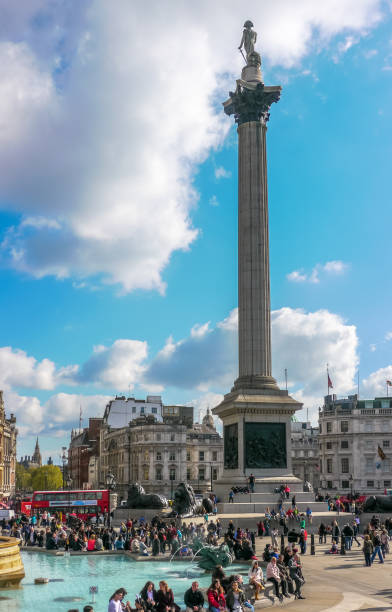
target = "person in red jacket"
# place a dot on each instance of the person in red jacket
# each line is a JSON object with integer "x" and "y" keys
{"x": 216, "y": 597}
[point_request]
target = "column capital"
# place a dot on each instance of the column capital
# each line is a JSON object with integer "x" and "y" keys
{"x": 251, "y": 102}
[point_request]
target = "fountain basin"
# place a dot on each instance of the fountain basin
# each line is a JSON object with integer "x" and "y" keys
{"x": 11, "y": 566}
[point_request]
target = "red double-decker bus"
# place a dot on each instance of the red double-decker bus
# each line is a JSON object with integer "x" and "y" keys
{"x": 83, "y": 503}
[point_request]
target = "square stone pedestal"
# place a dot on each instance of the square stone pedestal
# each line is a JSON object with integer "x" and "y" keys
{"x": 257, "y": 439}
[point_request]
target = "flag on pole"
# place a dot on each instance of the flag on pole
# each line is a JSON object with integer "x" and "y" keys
{"x": 389, "y": 383}
{"x": 381, "y": 453}
{"x": 330, "y": 385}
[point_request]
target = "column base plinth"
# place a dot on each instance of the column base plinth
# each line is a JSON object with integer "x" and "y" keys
{"x": 255, "y": 382}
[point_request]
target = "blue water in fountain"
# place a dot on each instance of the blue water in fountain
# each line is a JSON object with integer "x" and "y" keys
{"x": 75, "y": 574}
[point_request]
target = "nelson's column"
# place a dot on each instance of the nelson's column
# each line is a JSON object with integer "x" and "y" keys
{"x": 256, "y": 414}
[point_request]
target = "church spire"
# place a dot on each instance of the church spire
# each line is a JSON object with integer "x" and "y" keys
{"x": 37, "y": 458}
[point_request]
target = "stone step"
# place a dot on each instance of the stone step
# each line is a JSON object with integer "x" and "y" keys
{"x": 273, "y": 498}
{"x": 259, "y": 508}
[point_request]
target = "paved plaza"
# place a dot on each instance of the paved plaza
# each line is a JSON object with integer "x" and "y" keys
{"x": 341, "y": 583}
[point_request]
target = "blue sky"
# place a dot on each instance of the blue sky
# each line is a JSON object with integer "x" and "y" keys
{"x": 118, "y": 203}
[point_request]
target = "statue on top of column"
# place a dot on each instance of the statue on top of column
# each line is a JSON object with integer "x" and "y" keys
{"x": 248, "y": 41}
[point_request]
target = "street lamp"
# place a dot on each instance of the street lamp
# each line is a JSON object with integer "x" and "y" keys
{"x": 64, "y": 460}
{"x": 111, "y": 484}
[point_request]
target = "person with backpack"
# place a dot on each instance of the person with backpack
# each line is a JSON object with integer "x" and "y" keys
{"x": 377, "y": 548}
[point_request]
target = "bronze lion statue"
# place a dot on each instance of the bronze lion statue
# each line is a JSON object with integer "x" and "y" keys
{"x": 138, "y": 498}
{"x": 184, "y": 502}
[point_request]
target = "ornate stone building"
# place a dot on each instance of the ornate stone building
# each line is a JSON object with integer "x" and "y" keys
{"x": 355, "y": 445}
{"x": 305, "y": 452}
{"x": 8, "y": 434}
{"x": 160, "y": 450}
{"x": 84, "y": 445}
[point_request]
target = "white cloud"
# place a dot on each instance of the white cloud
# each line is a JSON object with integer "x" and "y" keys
{"x": 375, "y": 384}
{"x": 17, "y": 369}
{"x": 336, "y": 267}
{"x": 221, "y": 172}
{"x": 57, "y": 416}
{"x": 213, "y": 201}
{"x": 373, "y": 348}
{"x": 297, "y": 276}
{"x": 118, "y": 366}
{"x": 106, "y": 122}
{"x": 388, "y": 336}
{"x": 370, "y": 53}
{"x": 303, "y": 342}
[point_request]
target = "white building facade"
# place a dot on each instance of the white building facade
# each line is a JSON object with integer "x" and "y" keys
{"x": 305, "y": 452}
{"x": 355, "y": 445}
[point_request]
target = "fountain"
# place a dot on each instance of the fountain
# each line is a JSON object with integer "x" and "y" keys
{"x": 11, "y": 566}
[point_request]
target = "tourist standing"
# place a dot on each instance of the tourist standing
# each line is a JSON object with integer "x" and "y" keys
{"x": 251, "y": 481}
{"x": 367, "y": 550}
{"x": 377, "y": 548}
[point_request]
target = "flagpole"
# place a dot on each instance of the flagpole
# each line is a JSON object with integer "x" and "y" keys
{"x": 327, "y": 380}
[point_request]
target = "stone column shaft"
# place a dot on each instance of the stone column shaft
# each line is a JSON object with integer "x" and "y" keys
{"x": 253, "y": 253}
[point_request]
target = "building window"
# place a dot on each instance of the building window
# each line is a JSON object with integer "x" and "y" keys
{"x": 329, "y": 484}
{"x": 368, "y": 426}
{"x": 188, "y": 474}
{"x": 386, "y": 465}
{"x": 329, "y": 427}
{"x": 215, "y": 455}
{"x": 146, "y": 474}
{"x": 201, "y": 455}
{"x": 345, "y": 465}
{"x": 188, "y": 455}
{"x": 172, "y": 437}
{"x": 158, "y": 473}
{"x": 202, "y": 473}
{"x": 329, "y": 445}
{"x": 158, "y": 437}
{"x": 387, "y": 483}
{"x": 320, "y": 430}
{"x": 385, "y": 443}
{"x": 159, "y": 456}
{"x": 370, "y": 484}
{"x": 153, "y": 410}
{"x": 369, "y": 465}
{"x": 369, "y": 443}
{"x": 344, "y": 444}
{"x": 385, "y": 426}
{"x": 142, "y": 410}
{"x": 172, "y": 474}
{"x": 133, "y": 409}
{"x": 172, "y": 456}
{"x": 329, "y": 466}
{"x": 345, "y": 484}
{"x": 321, "y": 465}
{"x": 214, "y": 474}
{"x": 344, "y": 426}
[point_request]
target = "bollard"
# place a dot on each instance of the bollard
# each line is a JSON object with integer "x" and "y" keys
{"x": 342, "y": 546}
{"x": 281, "y": 544}
{"x": 312, "y": 547}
